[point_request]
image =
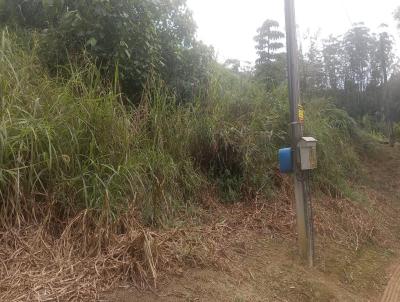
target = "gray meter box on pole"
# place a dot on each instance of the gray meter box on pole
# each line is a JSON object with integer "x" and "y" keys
{"x": 308, "y": 153}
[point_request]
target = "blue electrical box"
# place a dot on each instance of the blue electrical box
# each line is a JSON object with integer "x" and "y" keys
{"x": 286, "y": 160}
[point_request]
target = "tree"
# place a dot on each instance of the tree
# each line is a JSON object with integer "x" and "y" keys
{"x": 386, "y": 59}
{"x": 193, "y": 71}
{"x": 270, "y": 65}
{"x": 268, "y": 42}
{"x": 332, "y": 57}
{"x": 357, "y": 43}
{"x": 313, "y": 75}
{"x": 393, "y": 104}
{"x": 394, "y": 95}
{"x": 141, "y": 37}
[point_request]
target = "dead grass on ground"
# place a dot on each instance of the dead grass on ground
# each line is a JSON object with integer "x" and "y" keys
{"x": 85, "y": 261}
{"x": 37, "y": 264}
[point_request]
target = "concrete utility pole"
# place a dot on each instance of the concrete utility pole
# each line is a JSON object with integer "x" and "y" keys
{"x": 301, "y": 178}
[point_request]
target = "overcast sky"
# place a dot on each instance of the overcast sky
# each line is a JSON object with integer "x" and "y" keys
{"x": 230, "y": 25}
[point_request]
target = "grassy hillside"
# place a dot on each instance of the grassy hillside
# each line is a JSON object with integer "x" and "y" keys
{"x": 95, "y": 174}
{"x": 70, "y": 142}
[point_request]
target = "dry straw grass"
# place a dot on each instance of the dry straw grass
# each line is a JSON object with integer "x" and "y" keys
{"x": 84, "y": 262}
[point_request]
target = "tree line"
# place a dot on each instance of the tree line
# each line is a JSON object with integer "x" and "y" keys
{"x": 358, "y": 69}
{"x": 354, "y": 68}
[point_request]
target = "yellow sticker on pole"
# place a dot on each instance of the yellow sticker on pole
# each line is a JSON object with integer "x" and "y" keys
{"x": 301, "y": 114}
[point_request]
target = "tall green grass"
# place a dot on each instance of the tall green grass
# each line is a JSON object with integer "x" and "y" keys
{"x": 69, "y": 142}
{"x": 338, "y": 137}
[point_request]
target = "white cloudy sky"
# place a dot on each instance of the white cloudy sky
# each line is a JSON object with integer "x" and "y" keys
{"x": 230, "y": 25}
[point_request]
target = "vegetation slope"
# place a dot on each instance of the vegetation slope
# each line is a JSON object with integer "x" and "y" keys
{"x": 115, "y": 170}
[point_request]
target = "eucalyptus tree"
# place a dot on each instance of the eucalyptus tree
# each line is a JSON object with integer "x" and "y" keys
{"x": 386, "y": 59}
{"x": 313, "y": 74}
{"x": 394, "y": 96}
{"x": 393, "y": 106}
{"x": 385, "y": 52}
{"x": 356, "y": 68}
{"x": 357, "y": 44}
{"x": 332, "y": 53}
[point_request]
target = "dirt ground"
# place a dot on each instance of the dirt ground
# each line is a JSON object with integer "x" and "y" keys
{"x": 265, "y": 267}
{"x": 392, "y": 292}
{"x": 266, "y": 272}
